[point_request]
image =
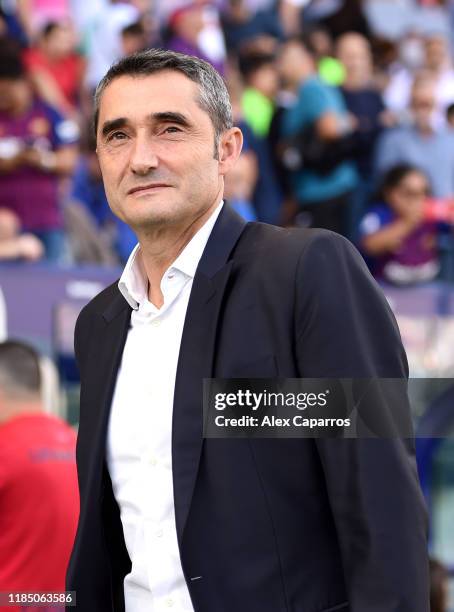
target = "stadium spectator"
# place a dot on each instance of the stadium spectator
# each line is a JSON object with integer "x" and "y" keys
{"x": 261, "y": 86}
{"x": 267, "y": 194}
{"x": 419, "y": 143}
{"x": 320, "y": 43}
{"x": 196, "y": 30}
{"x": 39, "y": 500}
{"x": 365, "y": 103}
{"x": 134, "y": 38}
{"x": 406, "y": 58}
{"x": 362, "y": 98}
{"x": 438, "y": 63}
{"x": 240, "y": 187}
{"x": 105, "y": 42}
{"x": 399, "y": 244}
{"x": 96, "y": 235}
{"x": 14, "y": 244}
{"x": 55, "y": 68}
{"x": 314, "y": 130}
{"x": 36, "y": 149}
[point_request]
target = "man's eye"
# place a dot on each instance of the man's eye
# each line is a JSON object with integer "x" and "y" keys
{"x": 116, "y": 136}
{"x": 172, "y": 129}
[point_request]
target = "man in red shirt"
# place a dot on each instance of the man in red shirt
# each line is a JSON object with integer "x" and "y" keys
{"x": 39, "y": 500}
{"x": 56, "y": 69}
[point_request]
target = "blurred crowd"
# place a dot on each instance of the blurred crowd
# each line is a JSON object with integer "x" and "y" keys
{"x": 347, "y": 110}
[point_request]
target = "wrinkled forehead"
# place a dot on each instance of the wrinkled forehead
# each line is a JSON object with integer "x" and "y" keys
{"x": 160, "y": 89}
{"x": 160, "y": 83}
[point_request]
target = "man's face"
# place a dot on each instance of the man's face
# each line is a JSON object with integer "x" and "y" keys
{"x": 408, "y": 197}
{"x": 294, "y": 64}
{"x": 12, "y": 92}
{"x": 354, "y": 53}
{"x": 266, "y": 80}
{"x": 61, "y": 41}
{"x": 156, "y": 151}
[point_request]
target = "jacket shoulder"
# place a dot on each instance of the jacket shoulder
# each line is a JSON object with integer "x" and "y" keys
{"x": 284, "y": 243}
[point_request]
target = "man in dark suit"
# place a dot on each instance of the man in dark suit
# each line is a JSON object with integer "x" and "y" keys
{"x": 170, "y": 519}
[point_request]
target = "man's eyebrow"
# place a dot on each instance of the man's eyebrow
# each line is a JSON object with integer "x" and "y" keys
{"x": 171, "y": 117}
{"x": 114, "y": 124}
{"x": 160, "y": 117}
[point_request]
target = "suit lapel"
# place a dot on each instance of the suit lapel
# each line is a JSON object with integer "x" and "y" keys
{"x": 104, "y": 367}
{"x": 196, "y": 358}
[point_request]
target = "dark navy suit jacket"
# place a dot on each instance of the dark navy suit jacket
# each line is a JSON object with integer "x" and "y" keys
{"x": 270, "y": 525}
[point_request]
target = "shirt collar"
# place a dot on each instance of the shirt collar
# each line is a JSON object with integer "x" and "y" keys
{"x": 133, "y": 283}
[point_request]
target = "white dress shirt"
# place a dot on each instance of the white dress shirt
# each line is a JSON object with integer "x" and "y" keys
{"x": 139, "y": 449}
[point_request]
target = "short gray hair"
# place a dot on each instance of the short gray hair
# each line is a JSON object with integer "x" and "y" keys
{"x": 213, "y": 97}
{"x": 20, "y": 374}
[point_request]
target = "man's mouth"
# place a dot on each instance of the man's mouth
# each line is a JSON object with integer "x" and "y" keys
{"x": 148, "y": 187}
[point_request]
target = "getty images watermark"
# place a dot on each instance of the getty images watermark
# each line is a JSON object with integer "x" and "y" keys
{"x": 306, "y": 408}
{"x": 273, "y": 399}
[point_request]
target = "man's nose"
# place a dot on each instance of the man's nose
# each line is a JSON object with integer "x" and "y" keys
{"x": 143, "y": 156}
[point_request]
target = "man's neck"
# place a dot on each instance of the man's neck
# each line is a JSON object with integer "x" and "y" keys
{"x": 355, "y": 83}
{"x": 13, "y": 409}
{"x": 160, "y": 247}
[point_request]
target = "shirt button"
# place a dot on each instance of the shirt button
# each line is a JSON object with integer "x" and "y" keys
{"x": 153, "y": 461}
{"x": 156, "y": 323}
{"x": 159, "y": 533}
{"x": 169, "y": 602}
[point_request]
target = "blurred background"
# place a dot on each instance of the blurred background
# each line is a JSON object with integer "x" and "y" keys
{"x": 347, "y": 110}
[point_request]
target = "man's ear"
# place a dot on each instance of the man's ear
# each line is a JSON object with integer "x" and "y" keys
{"x": 230, "y": 145}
